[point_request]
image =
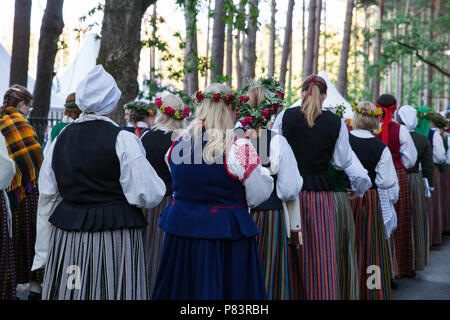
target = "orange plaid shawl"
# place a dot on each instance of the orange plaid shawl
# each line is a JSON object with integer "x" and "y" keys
{"x": 23, "y": 148}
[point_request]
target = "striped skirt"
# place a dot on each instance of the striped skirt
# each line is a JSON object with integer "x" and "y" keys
{"x": 436, "y": 214}
{"x": 403, "y": 234}
{"x": 346, "y": 251}
{"x": 106, "y": 265}
{"x": 8, "y": 281}
{"x": 419, "y": 222}
{"x": 273, "y": 251}
{"x": 445, "y": 198}
{"x": 374, "y": 266}
{"x": 24, "y": 237}
{"x": 153, "y": 240}
{"x": 317, "y": 257}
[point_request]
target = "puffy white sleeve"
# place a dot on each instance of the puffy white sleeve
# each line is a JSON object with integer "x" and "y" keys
{"x": 7, "y": 165}
{"x": 342, "y": 155}
{"x": 140, "y": 183}
{"x": 448, "y": 156}
{"x": 438, "y": 148}
{"x": 243, "y": 163}
{"x": 284, "y": 164}
{"x": 358, "y": 176}
{"x": 407, "y": 148}
{"x": 278, "y": 124}
{"x": 386, "y": 176}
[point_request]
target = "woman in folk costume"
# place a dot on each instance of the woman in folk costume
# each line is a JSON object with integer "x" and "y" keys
{"x": 157, "y": 142}
{"x": 71, "y": 113}
{"x": 141, "y": 117}
{"x": 404, "y": 154}
{"x": 209, "y": 249}
{"x": 427, "y": 128}
{"x": 317, "y": 138}
{"x": 423, "y": 169}
{"x": 7, "y": 270}
{"x": 371, "y": 239}
{"x": 275, "y": 153}
{"x": 25, "y": 150}
{"x": 102, "y": 176}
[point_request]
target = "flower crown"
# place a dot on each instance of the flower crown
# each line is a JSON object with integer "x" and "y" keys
{"x": 172, "y": 112}
{"x": 228, "y": 97}
{"x": 260, "y": 116}
{"x": 369, "y": 113}
{"x": 71, "y": 105}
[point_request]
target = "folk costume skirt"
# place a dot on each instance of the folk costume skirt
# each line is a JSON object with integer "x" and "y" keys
{"x": 153, "y": 241}
{"x": 374, "y": 265}
{"x": 107, "y": 265}
{"x": 345, "y": 248}
{"x": 318, "y": 266}
{"x": 209, "y": 269}
{"x": 445, "y": 198}
{"x": 420, "y": 222}
{"x": 436, "y": 214}
{"x": 272, "y": 245}
{"x": 403, "y": 234}
{"x": 8, "y": 281}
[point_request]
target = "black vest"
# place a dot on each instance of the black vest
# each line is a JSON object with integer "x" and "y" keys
{"x": 156, "y": 144}
{"x": 369, "y": 152}
{"x": 313, "y": 147}
{"x": 87, "y": 173}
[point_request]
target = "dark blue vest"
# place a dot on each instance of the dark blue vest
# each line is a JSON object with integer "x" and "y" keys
{"x": 208, "y": 203}
{"x": 369, "y": 152}
{"x": 87, "y": 173}
{"x": 313, "y": 147}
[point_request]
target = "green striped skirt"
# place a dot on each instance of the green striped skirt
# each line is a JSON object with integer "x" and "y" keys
{"x": 345, "y": 248}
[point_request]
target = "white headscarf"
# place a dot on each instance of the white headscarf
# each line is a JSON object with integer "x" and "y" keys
{"x": 408, "y": 115}
{"x": 97, "y": 92}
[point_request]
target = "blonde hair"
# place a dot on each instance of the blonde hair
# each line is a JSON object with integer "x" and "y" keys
{"x": 257, "y": 96}
{"x": 217, "y": 117}
{"x": 163, "y": 120}
{"x": 314, "y": 87}
{"x": 366, "y": 122}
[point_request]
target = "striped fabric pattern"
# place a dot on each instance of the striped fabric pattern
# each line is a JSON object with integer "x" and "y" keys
{"x": 436, "y": 215}
{"x": 272, "y": 245}
{"x": 403, "y": 234}
{"x": 346, "y": 251}
{"x": 419, "y": 222}
{"x": 371, "y": 246}
{"x": 8, "y": 281}
{"x": 318, "y": 264}
{"x": 110, "y": 266}
{"x": 153, "y": 240}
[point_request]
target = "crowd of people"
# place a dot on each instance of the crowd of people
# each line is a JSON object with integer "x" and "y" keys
{"x": 242, "y": 199}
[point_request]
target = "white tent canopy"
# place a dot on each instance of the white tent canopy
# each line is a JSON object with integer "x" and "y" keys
{"x": 334, "y": 98}
{"x": 81, "y": 64}
{"x": 56, "y": 100}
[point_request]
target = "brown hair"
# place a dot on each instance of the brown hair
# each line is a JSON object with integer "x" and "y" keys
{"x": 16, "y": 94}
{"x": 314, "y": 87}
{"x": 73, "y": 112}
{"x": 366, "y": 122}
{"x": 257, "y": 96}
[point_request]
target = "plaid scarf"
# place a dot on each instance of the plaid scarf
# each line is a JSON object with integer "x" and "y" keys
{"x": 23, "y": 148}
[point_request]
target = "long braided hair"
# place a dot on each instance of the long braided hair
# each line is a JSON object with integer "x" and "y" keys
{"x": 16, "y": 94}
{"x": 314, "y": 87}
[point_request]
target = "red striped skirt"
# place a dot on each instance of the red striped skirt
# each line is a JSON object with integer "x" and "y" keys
{"x": 403, "y": 234}
{"x": 317, "y": 256}
{"x": 374, "y": 266}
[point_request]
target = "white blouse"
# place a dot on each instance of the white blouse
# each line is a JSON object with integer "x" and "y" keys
{"x": 342, "y": 156}
{"x": 438, "y": 147}
{"x": 65, "y": 119}
{"x": 7, "y": 165}
{"x": 408, "y": 151}
{"x": 358, "y": 176}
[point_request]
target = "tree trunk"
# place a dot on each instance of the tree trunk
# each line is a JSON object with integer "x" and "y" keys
{"x": 21, "y": 43}
{"x": 345, "y": 49}
{"x": 317, "y": 37}
{"x": 153, "y": 52}
{"x": 366, "y": 50}
{"x": 377, "y": 50}
{"x": 430, "y": 71}
{"x": 120, "y": 47}
{"x": 271, "y": 69}
{"x": 309, "y": 54}
{"x": 303, "y": 38}
{"x": 218, "y": 43}
{"x": 229, "y": 53}
{"x": 51, "y": 29}
{"x": 250, "y": 43}
{"x": 190, "y": 51}
{"x": 287, "y": 43}
{"x": 410, "y": 79}
{"x": 207, "y": 42}
{"x": 325, "y": 35}
{"x": 238, "y": 61}
{"x": 422, "y": 93}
